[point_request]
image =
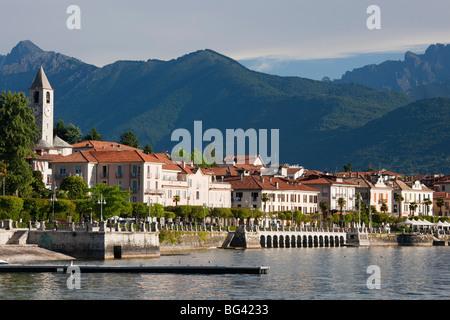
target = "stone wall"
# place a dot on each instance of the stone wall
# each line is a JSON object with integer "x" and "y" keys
{"x": 383, "y": 239}
{"x": 97, "y": 245}
{"x": 5, "y": 235}
{"x": 182, "y": 240}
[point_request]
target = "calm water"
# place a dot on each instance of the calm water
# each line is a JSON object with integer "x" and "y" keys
{"x": 295, "y": 274}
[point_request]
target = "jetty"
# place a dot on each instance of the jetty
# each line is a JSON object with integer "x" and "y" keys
{"x": 133, "y": 269}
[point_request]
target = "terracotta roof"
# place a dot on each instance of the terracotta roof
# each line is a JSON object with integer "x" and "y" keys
{"x": 90, "y": 144}
{"x": 108, "y": 156}
{"x": 326, "y": 181}
{"x": 48, "y": 156}
{"x": 255, "y": 182}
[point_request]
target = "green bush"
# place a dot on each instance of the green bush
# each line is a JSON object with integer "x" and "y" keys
{"x": 36, "y": 209}
{"x": 10, "y": 207}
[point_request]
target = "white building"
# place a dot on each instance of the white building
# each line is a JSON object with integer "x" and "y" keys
{"x": 412, "y": 193}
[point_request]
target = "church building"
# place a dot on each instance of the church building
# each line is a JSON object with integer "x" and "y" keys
{"x": 48, "y": 147}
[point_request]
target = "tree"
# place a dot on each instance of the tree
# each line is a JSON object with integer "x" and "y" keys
{"x": 93, "y": 135}
{"x": 129, "y": 139}
{"x": 75, "y": 186}
{"x": 412, "y": 207}
{"x": 399, "y": 198}
{"x": 384, "y": 208}
{"x": 427, "y": 202}
{"x": 348, "y": 167}
{"x": 176, "y": 199}
{"x": 323, "y": 206}
{"x": 17, "y": 136}
{"x": 148, "y": 149}
{"x": 114, "y": 198}
{"x": 38, "y": 186}
{"x": 71, "y": 133}
{"x": 341, "y": 203}
{"x": 440, "y": 203}
{"x": 265, "y": 198}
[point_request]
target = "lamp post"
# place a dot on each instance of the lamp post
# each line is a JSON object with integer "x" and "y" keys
{"x": 101, "y": 202}
{"x": 149, "y": 204}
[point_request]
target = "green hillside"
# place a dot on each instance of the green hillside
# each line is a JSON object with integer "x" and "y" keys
{"x": 323, "y": 125}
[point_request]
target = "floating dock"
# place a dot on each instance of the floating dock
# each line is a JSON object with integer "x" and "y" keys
{"x": 134, "y": 269}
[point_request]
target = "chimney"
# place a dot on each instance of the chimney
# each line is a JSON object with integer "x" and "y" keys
{"x": 240, "y": 175}
{"x": 276, "y": 184}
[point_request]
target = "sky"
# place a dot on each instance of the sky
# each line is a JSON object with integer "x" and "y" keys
{"x": 308, "y": 38}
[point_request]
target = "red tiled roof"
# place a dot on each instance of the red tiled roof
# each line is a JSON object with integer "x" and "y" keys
{"x": 255, "y": 182}
{"x": 108, "y": 156}
{"x": 106, "y": 145}
{"x": 326, "y": 181}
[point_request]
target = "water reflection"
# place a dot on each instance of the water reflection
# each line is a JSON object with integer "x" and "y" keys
{"x": 295, "y": 274}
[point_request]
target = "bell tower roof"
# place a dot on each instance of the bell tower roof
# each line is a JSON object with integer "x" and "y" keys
{"x": 41, "y": 81}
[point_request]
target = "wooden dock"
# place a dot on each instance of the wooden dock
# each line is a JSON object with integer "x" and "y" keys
{"x": 134, "y": 269}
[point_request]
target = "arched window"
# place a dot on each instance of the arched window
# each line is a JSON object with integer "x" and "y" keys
{"x": 48, "y": 97}
{"x": 36, "y": 97}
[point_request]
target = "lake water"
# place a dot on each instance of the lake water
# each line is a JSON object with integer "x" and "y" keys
{"x": 405, "y": 273}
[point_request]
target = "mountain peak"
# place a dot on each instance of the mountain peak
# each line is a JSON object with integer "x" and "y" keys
{"x": 24, "y": 48}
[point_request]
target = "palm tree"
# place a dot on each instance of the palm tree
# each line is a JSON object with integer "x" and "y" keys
{"x": 427, "y": 202}
{"x": 440, "y": 203}
{"x": 264, "y": 199}
{"x": 399, "y": 198}
{"x": 324, "y": 208}
{"x": 341, "y": 203}
{"x": 384, "y": 208}
{"x": 413, "y": 207}
{"x": 176, "y": 199}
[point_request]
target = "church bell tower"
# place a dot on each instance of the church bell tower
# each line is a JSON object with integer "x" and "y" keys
{"x": 41, "y": 97}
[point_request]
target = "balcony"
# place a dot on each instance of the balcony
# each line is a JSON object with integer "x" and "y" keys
{"x": 154, "y": 191}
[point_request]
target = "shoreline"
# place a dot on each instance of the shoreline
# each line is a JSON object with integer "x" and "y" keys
{"x": 25, "y": 253}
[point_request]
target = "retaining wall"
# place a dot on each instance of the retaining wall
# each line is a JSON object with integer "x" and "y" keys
{"x": 97, "y": 245}
{"x": 183, "y": 240}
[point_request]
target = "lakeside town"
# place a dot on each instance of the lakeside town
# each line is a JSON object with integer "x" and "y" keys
{"x": 289, "y": 195}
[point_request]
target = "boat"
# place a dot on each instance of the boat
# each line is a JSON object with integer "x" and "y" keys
{"x": 3, "y": 262}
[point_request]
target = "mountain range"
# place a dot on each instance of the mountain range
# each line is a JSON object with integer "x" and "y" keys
{"x": 323, "y": 125}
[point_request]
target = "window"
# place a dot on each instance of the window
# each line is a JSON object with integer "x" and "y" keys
{"x": 62, "y": 172}
{"x": 103, "y": 171}
{"x": 198, "y": 195}
{"x": 119, "y": 171}
{"x": 36, "y": 97}
{"x": 78, "y": 170}
{"x": 134, "y": 186}
{"x": 239, "y": 195}
{"x": 119, "y": 184}
{"x": 48, "y": 97}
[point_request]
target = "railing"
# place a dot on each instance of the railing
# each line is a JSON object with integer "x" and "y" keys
{"x": 154, "y": 191}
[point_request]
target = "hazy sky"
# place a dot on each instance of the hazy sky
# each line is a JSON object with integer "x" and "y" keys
{"x": 268, "y": 33}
